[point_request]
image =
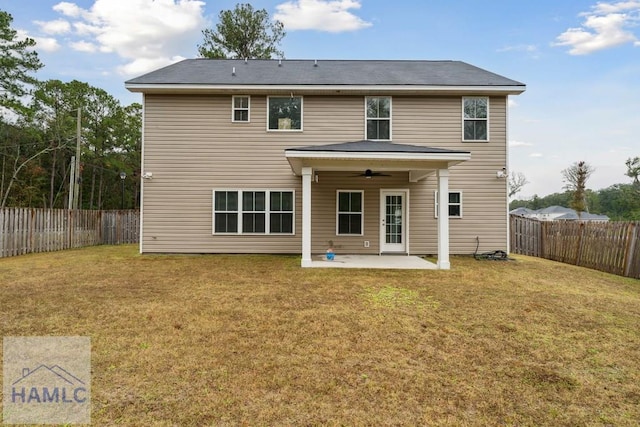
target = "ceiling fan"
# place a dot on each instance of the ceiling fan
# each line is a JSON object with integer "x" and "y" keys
{"x": 368, "y": 174}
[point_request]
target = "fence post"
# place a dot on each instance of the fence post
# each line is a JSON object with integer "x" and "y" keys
{"x": 631, "y": 246}
{"x": 581, "y": 230}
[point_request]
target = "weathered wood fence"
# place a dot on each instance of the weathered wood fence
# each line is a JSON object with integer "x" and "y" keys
{"x": 613, "y": 247}
{"x": 26, "y": 230}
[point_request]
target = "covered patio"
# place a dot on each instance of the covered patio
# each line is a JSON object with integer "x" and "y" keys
{"x": 381, "y": 156}
{"x": 391, "y": 262}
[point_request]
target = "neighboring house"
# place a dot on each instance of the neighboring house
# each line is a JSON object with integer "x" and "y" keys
{"x": 292, "y": 156}
{"x": 526, "y": 212}
{"x": 558, "y": 213}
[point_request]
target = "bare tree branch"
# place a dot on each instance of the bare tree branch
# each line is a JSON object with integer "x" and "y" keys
{"x": 517, "y": 180}
{"x": 17, "y": 168}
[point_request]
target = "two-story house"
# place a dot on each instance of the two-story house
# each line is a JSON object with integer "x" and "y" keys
{"x": 295, "y": 156}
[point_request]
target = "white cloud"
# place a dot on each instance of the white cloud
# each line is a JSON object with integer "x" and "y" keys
{"x": 520, "y": 48}
{"x": 519, "y": 144}
{"x": 607, "y": 25}
{"x": 622, "y": 6}
{"x": 322, "y": 15}
{"x": 530, "y": 50}
{"x": 143, "y": 65}
{"x": 84, "y": 29}
{"x": 58, "y": 26}
{"x": 512, "y": 103}
{"x": 46, "y": 44}
{"x": 535, "y": 155}
{"x": 83, "y": 46}
{"x": 144, "y": 33}
{"x": 68, "y": 9}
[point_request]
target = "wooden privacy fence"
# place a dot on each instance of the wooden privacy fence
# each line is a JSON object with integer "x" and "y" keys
{"x": 613, "y": 247}
{"x": 26, "y": 230}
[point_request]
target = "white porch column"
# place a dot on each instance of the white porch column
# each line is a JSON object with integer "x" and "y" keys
{"x": 307, "y": 173}
{"x": 443, "y": 219}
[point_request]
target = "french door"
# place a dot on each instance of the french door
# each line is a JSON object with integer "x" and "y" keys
{"x": 393, "y": 221}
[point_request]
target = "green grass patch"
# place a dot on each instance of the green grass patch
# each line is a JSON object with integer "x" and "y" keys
{"x": 394, "y": 297}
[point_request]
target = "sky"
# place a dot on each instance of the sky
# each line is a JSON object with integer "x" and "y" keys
{"x": 580, "y": 59}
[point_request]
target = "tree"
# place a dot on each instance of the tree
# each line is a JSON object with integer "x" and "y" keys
{"x": 54, "y": 106}
{"x": 575, "y": 178}
{"x": 620, "y": 202}
{"x": 17, "y": 61}
{"x": 36, "y": 149}
{"x": 243, "y": 33}
{"x": 633, "y": 169}
{"x": 517, "y": 180}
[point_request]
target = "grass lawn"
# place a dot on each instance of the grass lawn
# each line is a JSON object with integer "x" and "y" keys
{"x": 256, "y": 340}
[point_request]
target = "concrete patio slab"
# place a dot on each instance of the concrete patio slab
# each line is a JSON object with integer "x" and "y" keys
{"x": 400, "y": 262}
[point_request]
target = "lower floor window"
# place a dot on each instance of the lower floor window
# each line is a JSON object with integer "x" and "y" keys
{"x": 253, "y": 212}
{"x": 349, "y": 212}
{"x": 281, "y": 212}
{"x": 455, "y": 204}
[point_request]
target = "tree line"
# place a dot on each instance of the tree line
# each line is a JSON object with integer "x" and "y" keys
{"x": 620, "y": 202}
{"x": 40, "y": 130}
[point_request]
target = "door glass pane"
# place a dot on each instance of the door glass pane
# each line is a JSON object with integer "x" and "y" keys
{"x": 393, "y": 219}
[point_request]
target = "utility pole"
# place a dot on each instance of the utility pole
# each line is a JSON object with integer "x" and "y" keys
{"x": 72, "y": 181}
{"x": 76, "y": 183}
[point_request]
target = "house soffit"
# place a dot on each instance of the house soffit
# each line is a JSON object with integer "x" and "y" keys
{"x": 419, "y": 161}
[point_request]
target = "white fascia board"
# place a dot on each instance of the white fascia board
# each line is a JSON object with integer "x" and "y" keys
{"x": 172, "y": 87}
{"x": 377, "y": 155}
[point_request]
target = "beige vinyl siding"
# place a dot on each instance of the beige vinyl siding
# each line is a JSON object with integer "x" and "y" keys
{"x": 192, "y": 147}
{"x": 324, "y": 220}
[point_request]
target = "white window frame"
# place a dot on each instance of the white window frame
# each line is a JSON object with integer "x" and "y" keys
{"x": 267, "y": 211}
{"x": 292, "y": 212}
{"x": 254, "y": 211}
{"x": 301, "y": 114}
{"x": 476, "y": 119}
{"x": 361, "y": 213}
{"x": 234, "y": 109}
{"x": 236, "y": 212}
{"x": 449, "y": 204}
{"x": 366, "y": 118}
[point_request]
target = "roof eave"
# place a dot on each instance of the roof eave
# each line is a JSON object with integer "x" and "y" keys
{"x": 403, "y": 160}
{"x": 162, "y": 88}
{"x": 377, "y": 155}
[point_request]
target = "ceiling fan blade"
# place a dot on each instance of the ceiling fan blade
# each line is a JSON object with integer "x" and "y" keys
{"x": 369, "y": 174}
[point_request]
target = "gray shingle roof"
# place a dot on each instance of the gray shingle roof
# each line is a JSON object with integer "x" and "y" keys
{"x": 326, "y": 72}
{"x": 584, "y": 216}
{"x": 522, "y": 211}
{"x": 555, "y": 209}
{"x": 374, "y": 147}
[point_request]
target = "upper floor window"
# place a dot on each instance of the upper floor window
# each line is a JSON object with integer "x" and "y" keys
{"x": 284, "y": 113}
{"x": 475, "y": 118}
{"x": 378, "y": 111}
{"x": 240, "y": 108}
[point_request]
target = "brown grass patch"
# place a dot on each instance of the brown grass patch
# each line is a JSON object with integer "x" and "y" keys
{"x": 256, "y": 340}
